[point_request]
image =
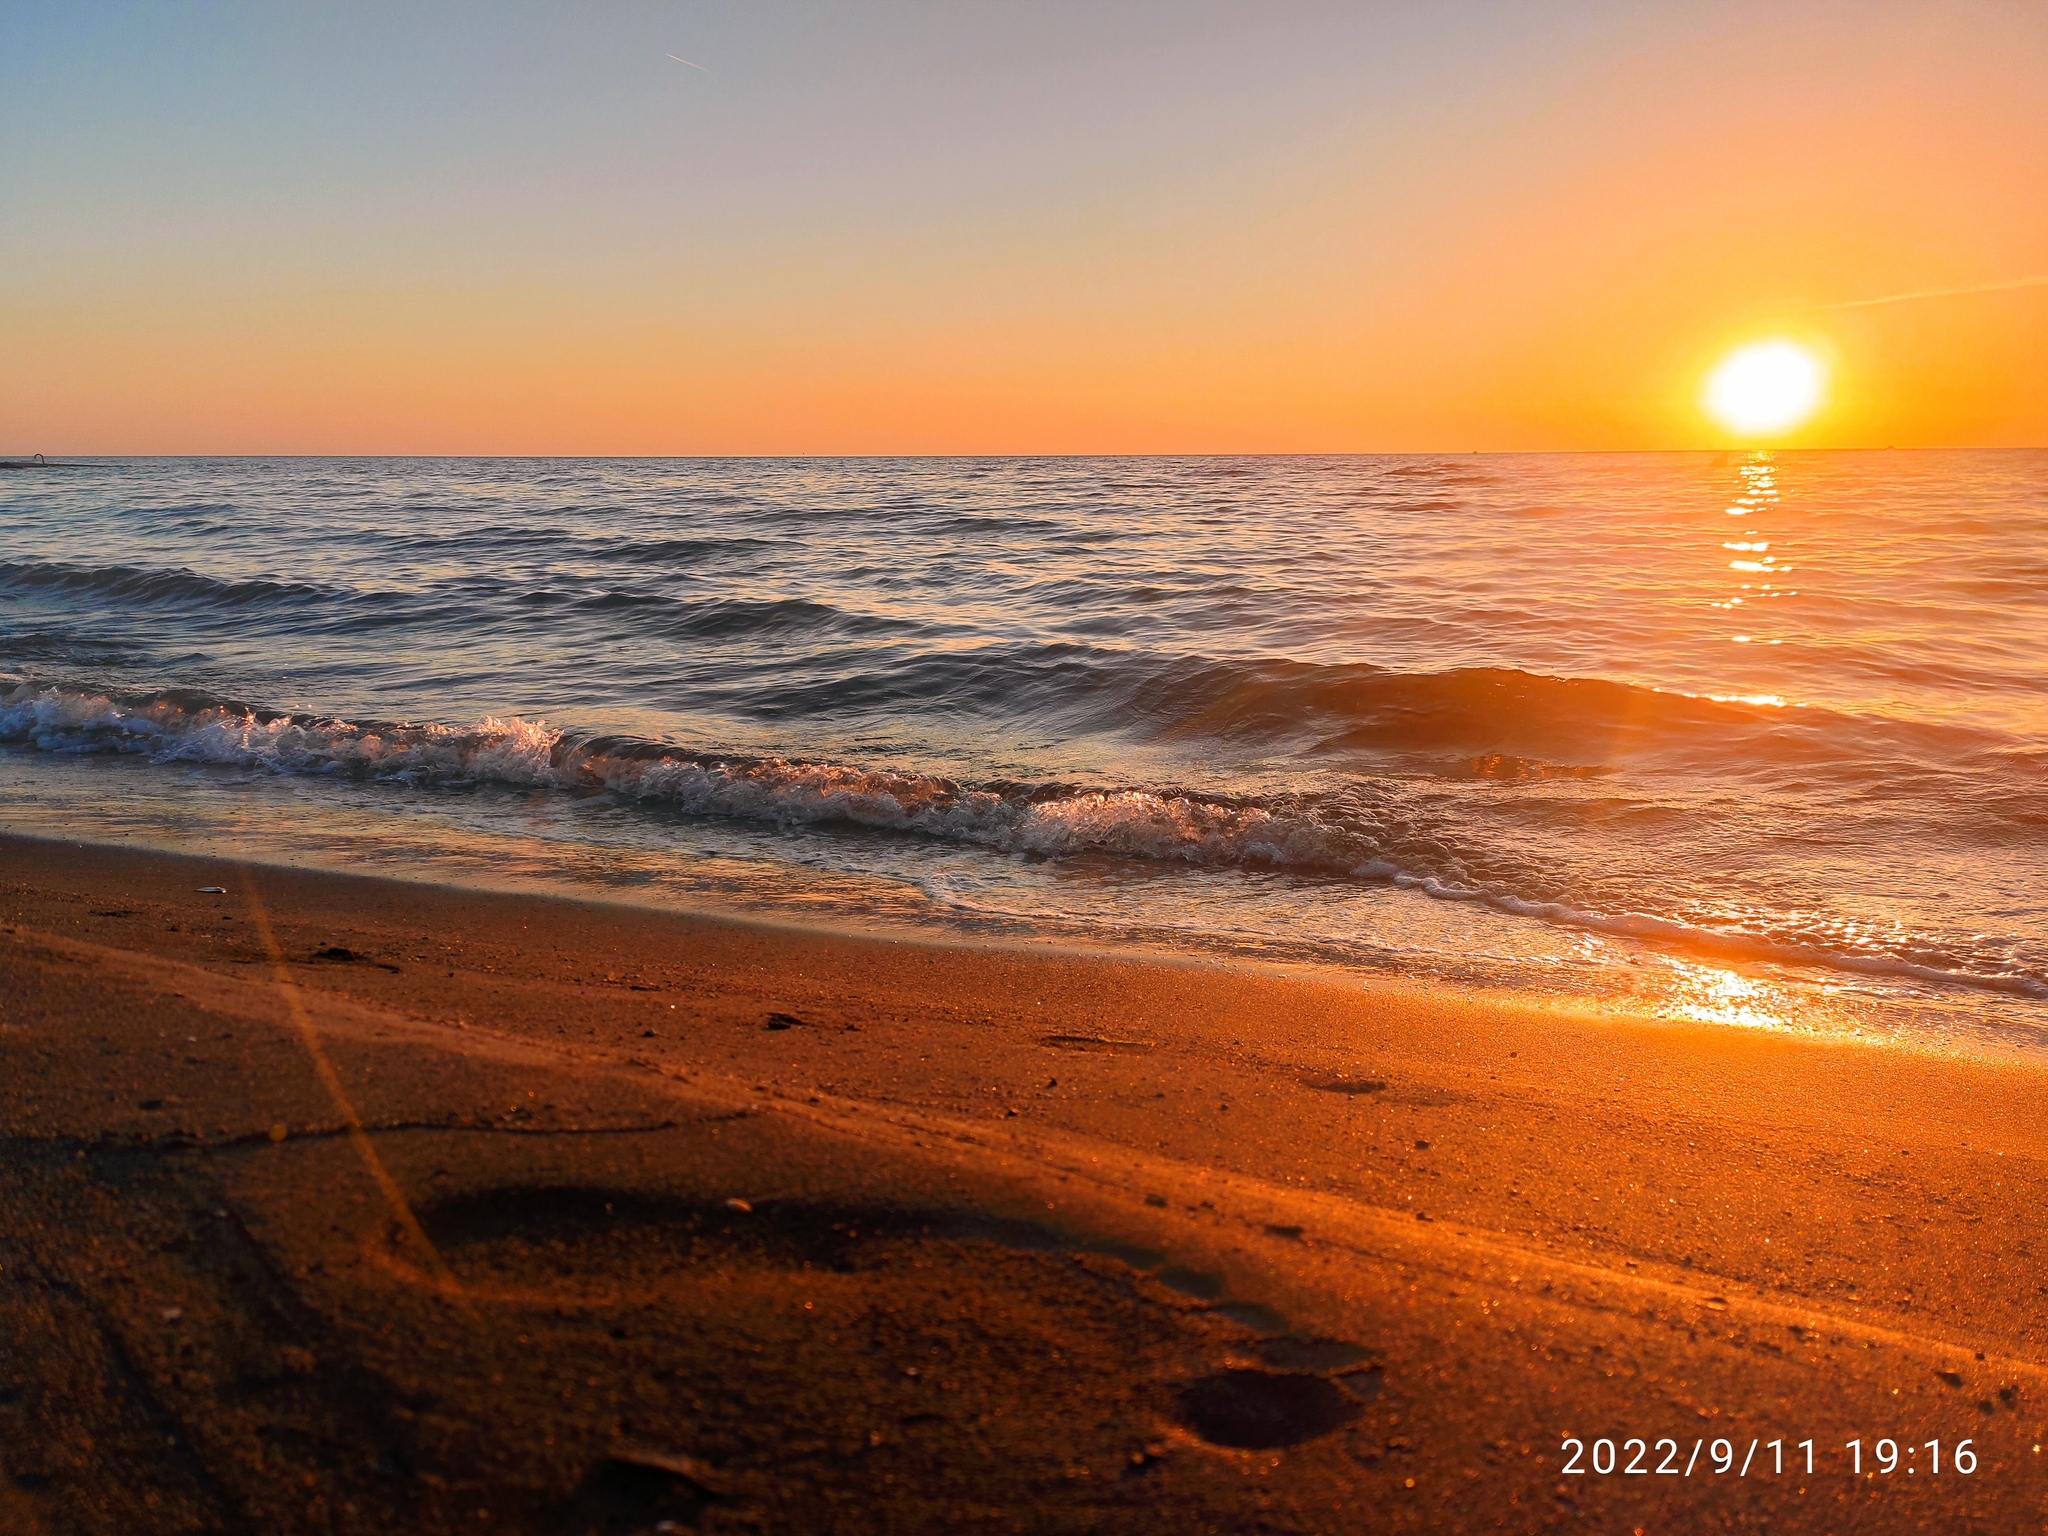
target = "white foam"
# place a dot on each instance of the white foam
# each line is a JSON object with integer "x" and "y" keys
{"x": 1135, "y": 823}
{"x": 52, "y": 719}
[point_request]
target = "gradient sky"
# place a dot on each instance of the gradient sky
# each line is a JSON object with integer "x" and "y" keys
{"x": 1027, "y": 227}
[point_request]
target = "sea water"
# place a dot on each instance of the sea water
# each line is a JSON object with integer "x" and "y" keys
{"x": 1754, "y": 739}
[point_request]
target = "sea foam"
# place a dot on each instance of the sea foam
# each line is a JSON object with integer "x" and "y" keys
{"x": 1323, "y": 837}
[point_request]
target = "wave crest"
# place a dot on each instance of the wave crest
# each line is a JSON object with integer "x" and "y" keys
{"x": 180, "y": 727}
{"x": 1333, "y": 836}
{"x": 137, "y": 584}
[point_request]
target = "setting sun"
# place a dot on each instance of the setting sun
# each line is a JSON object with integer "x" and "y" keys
{"x": 1770, "y": 387}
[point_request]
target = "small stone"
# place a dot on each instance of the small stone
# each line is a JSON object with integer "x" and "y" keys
{"x": 173, "y": 1314}
{"x": 739, "y": 1205}
{"x": 278, "y": 1133}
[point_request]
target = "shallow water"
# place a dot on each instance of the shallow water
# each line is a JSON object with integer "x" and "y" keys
{"x": 1762, "y": 740}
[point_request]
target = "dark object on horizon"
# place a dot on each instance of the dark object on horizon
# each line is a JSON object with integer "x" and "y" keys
{"x": 34, "y": 461}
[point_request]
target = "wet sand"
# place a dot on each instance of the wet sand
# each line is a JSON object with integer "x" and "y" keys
{"x": 336, "y": 1204}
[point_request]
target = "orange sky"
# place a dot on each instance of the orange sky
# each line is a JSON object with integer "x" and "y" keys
{"x": 1307, "y": 236}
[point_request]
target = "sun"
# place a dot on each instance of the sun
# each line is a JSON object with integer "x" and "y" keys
{"x": 1765, "y": 388}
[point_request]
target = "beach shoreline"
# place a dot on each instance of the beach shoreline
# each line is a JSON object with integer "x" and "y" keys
{"x": 440, "y": 1186}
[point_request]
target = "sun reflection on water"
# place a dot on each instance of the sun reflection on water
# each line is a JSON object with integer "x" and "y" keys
{"x": 1708, "y": 994}
{"x": 1760, "y": 494}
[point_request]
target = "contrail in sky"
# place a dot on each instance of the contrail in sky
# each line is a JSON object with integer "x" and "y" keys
{"x": 2040, "y": 281}
{"x": 680, "y": 60}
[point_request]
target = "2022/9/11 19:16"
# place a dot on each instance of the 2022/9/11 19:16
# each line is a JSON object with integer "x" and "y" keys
{"x": 1606, "y": 1457}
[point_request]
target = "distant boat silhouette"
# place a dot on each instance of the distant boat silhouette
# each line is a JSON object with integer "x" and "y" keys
{"x": 35, "y": 461}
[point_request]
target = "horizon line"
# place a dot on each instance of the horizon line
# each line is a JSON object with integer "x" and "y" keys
{"x": 59, "y": 460}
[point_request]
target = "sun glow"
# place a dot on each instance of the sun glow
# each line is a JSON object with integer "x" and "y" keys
{"x": 1770, "y": 387}
{"x": 1709, "y": 994}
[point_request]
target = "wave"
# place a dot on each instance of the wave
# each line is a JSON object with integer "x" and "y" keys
{"x": 1481, "y": 711}
{"x": 1439, "y": 722}
{"x": 181, "y": 725}
{"x": 734, "y": 618}
{"x": 1332, "y": 835}
{"x": 677, "y": 552}
{"x": 714, "y": 619}
{"x": 1455, "y": 721}
{"x": 140, "y": 584}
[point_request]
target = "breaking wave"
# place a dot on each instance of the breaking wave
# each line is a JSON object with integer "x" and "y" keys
{"x": 1346, "y": 834}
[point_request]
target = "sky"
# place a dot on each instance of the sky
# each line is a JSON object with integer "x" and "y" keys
{"x": 1036, "y": 227}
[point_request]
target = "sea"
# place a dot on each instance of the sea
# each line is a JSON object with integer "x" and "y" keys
{"x": 1757, "y": 740}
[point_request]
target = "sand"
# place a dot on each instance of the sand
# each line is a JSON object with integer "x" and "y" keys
{"x": 341, "y": 1204}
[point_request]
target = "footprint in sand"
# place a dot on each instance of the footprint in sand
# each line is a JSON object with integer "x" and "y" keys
{"x": 917, "y": 1325}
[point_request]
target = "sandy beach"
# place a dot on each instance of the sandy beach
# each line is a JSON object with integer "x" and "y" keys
{"x": 343, "y": 1204}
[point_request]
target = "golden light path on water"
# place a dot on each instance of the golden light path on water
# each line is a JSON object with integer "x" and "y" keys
{"x": 1713, "y": 995}
{"x": 1752, "y": 552}
{"x": 1698, "y": 992}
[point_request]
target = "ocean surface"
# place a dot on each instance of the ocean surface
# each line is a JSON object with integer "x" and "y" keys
{"x": 1758, "y": 740}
